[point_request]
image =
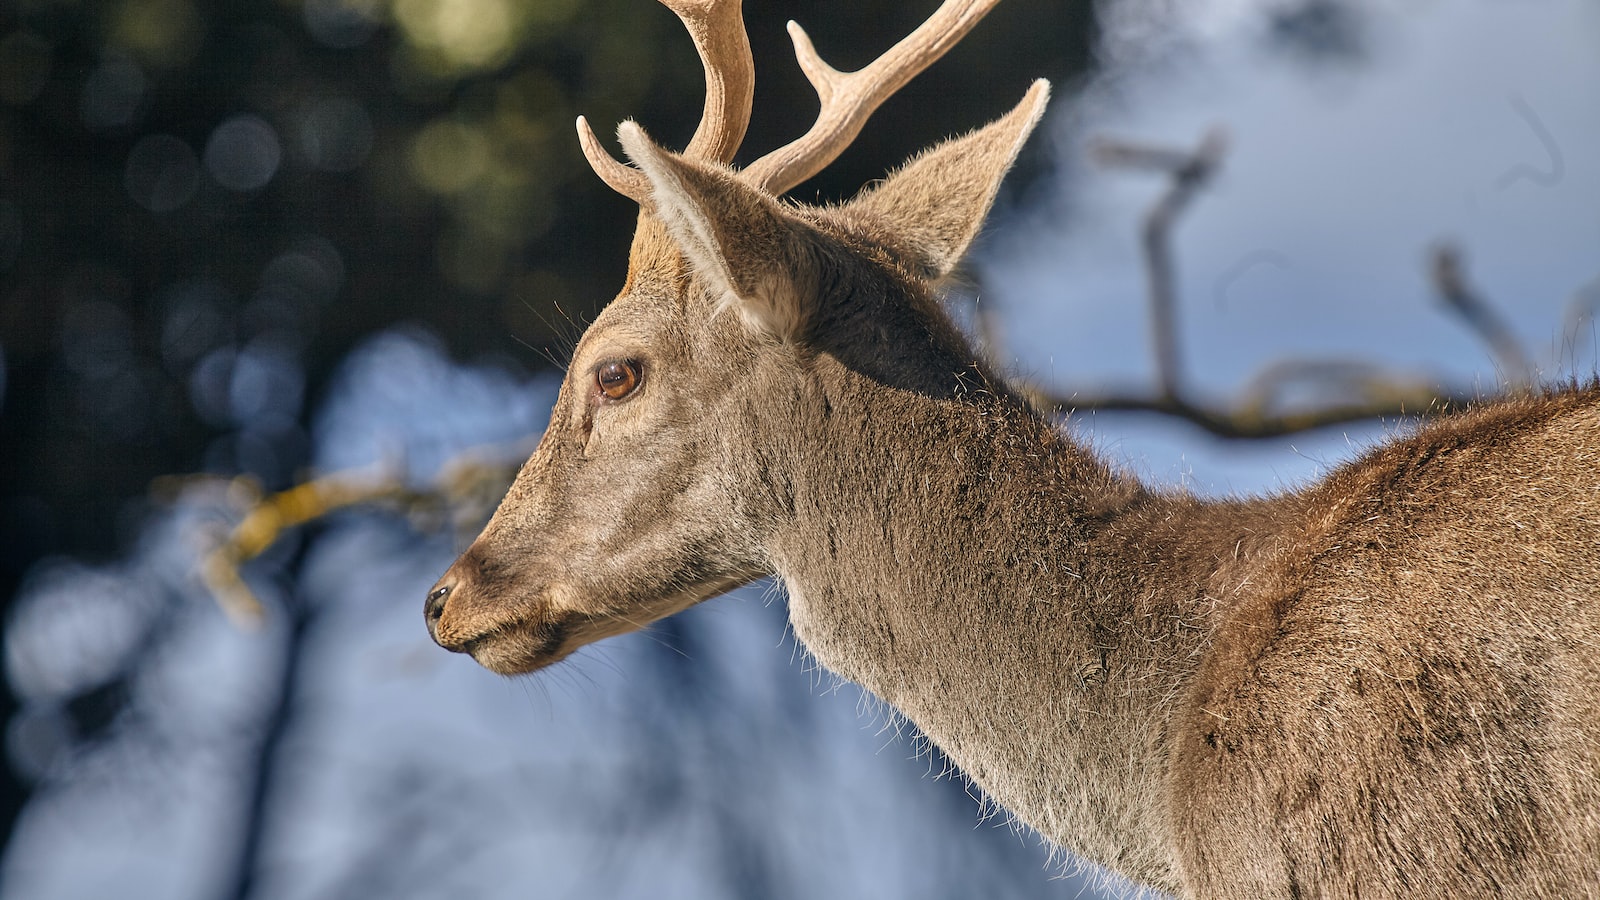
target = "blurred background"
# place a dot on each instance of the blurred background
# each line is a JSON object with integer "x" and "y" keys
{"x": 248, "y": 244}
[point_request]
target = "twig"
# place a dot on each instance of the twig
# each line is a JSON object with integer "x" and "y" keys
{"x": 1552, "y": 150}
{"x": 1460, "y": 299}
{"x": 1580, "y": 309}
{"x": 468, "y": 483}
{"x": 1188, "y": 172}
{"x": 1252, "y": 415}
{"x": 266, "y": 520}
{"x": 1334, "y": 377}
{"x": 267, "y": 767}
{"x": 1244, "y": 423}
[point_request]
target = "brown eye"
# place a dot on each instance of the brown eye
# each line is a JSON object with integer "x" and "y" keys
{"x": 617, "y": 378}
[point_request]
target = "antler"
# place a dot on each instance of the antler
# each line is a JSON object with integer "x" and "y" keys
{"x": 717, "y": 29}
{"x": 849, "y": 98}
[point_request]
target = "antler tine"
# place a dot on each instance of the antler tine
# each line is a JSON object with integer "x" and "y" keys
{"x": 625, "y": 180}
{"x": 717, "y": 29}
{"x": 850, "y": 98}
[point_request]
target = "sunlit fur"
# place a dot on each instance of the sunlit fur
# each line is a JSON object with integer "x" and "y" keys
{"x": 1384, "y": 685}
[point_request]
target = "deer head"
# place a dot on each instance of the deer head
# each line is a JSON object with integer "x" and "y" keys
{"x": 661, "y": 477}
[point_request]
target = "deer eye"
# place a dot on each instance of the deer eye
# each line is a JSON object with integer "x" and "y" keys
{"x": 617, "y": 378}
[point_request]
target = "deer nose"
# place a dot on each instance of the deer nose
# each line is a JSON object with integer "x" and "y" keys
{"x": 433, "y": 610}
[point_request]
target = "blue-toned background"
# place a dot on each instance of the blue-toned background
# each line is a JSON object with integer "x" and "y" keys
{"x": 283, "y": 239}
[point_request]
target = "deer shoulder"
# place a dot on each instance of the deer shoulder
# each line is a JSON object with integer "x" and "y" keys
{"x": 1403, "y": 700}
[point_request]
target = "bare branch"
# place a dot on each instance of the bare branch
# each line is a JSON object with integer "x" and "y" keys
{"x": 266, "y": 768}
{"x": 1461, "y": 299}
{"x": 1245, "y": 423}
{"x": 1333, "y": 377}
{"x": 1580, "y": 309}
{"x": 1188, "y": 172}
{"x": 1557, "y": 168}
{"x": 1363, "y": 391}
{"x": 471, "y": 484}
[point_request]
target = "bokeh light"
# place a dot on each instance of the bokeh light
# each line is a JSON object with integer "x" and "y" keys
{"x": 294, "y": 287}
{"x": 112, "y": 93}
{"x": 460, "y": 34}
{"x": 162, "y": 33}
{"x": 266, "y": 381}
{"x": 196, "y": 320}
{"x": 312, "y": 271}
{"x": 447, "y": 155}
{"x": 209, "y": 383}
{"x": 243, "y": 153}
{"x": 335, "y": 134}
{"x": 74, "y": 627}
{"x": 342, "y": 24}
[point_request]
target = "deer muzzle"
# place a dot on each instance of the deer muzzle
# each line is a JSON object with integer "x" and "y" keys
{"x": 504, "y": 632}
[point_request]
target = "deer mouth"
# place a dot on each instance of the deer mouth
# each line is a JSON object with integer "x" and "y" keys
{"x": 517, "y": 642}
{"x": 516, "y": 648}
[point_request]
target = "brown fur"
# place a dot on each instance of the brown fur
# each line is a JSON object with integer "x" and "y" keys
{"x": 1386, "y": 685}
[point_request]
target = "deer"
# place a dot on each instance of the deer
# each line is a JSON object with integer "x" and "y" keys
{"x": 1382, "y": 684}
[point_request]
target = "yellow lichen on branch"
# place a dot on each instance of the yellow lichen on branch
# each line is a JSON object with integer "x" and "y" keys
{"x": 466, "y": 488}
{"x": 266, "y": 521}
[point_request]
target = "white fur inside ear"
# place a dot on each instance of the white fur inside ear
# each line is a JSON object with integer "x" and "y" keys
{"x": 677, "y": 207}
{"x": 767, "y": 302}
{"x": 772, "y": 309}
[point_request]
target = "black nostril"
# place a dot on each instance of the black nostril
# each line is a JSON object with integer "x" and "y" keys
{"x": 435, "y": 605}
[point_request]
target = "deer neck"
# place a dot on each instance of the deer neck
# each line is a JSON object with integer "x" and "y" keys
{"x": 986, "y": 576}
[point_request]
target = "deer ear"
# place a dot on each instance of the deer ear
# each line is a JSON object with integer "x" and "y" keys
{"x": 736, "y": 237}
{"x": 934, "y": 205}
